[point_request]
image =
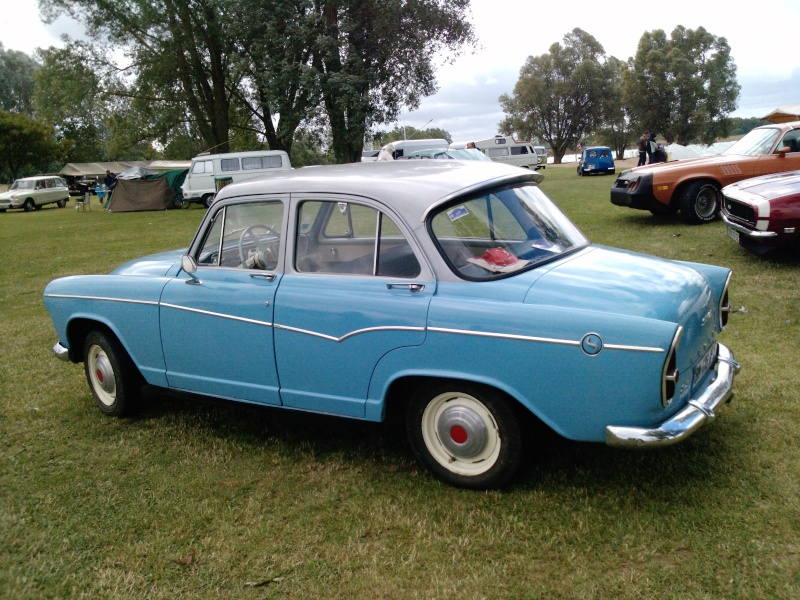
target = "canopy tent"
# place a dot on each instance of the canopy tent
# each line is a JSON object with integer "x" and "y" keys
{"x": 99, "y": 168}
{"x": 783, "y": 114}
{"x": 152, "y": 192}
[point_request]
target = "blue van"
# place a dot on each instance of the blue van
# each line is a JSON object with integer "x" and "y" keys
{"x": 596, "y": 159}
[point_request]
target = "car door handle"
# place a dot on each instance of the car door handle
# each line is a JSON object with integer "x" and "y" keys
{"x": 267, "y": 276}
{"x": 414, "y": 287}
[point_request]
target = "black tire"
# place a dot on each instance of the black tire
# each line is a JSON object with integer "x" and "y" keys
{"x": 61, "y": 203}
{"x": 580, "y": 172}
{"x": 700, "y": 202}
{"x": 29, "y": 206}
{"x": 465, "y": 434}
{"x": 208, "y": 200}
{"x": 113, "y": 379}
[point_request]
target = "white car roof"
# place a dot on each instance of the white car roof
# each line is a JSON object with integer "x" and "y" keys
{"x": 409, "y": 187}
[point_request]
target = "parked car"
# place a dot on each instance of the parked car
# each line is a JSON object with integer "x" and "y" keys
{"x": 763, "y": 213}
{"x": 449, "y": 154}
{"x": 79, "y": 186}
{"x": 693, "y": 185}
{"x": 542, "y": 152}
{"x": 596, "y": 160}
{"x": 454, "y": 292}
{"x": 31, "y": 193}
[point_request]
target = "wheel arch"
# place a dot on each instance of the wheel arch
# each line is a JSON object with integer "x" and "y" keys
{"x": 681, "y": 185}
{"x": 79, "y": 328}
{"x": 400, "y": 390}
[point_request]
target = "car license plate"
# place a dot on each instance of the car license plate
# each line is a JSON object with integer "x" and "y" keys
{"x": 705, "y": 364}
{"x": 732, "y": 233}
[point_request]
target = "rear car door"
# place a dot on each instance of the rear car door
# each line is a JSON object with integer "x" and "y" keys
{"x": 355, "y": 288}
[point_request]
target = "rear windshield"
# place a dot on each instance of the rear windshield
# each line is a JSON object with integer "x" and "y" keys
{"x": 502, "y": 232}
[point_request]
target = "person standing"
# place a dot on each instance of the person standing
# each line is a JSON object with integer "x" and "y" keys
{"x": 109, "y": 180}
{"x": 651, "y": 147}
{"x": 643, "y": 141}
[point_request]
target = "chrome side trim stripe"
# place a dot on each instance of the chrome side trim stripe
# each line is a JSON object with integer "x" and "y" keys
{"x": 505, "y": 336}
{"x": 530, "y": 338}
{"x": 216, "y": 314}
{"x": 348, "y": 335}
{"x": 103, "y": 298}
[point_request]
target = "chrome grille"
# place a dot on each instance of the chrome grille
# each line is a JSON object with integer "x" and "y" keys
{"x": 739, "y": 210}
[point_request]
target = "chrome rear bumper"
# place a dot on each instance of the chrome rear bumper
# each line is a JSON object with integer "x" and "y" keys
{"x": 693, "y": 416}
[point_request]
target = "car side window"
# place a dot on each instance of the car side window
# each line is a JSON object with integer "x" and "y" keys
{"x": 349, "y": 238}
{"x": 792, "y": 140}
{"x": 246, "y": 236}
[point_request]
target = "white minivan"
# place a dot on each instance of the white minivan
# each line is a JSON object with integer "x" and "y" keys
{"x": 505, "y": 149}
{"x": 210, "y": 172}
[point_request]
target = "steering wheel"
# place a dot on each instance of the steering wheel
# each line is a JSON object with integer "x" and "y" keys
{"x": 263, "y": 250}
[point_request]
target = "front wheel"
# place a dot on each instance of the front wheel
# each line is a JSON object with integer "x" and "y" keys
{"x": 208, "y": 200}
{"x": 29, "y": 205}
{"x": 61, "y": 203}
{"x": 699, "y": 202}
{"x": 112, "y": 376}
{"x": 466, "y": 435}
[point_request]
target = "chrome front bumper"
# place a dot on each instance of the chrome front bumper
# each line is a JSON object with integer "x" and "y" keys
{"x": 61, "y": 352}
{"x": 693, "y": 416}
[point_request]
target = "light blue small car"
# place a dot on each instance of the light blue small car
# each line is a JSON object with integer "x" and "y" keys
{"x": 452, "y": 292}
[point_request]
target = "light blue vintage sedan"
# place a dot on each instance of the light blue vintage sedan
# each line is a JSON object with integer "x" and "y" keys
{"x": 453, "y": 291}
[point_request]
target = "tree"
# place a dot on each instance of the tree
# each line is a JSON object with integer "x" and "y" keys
{"x": 26, "y": 146}
{"x": 280, "y": 87}
{"x": 560, "y": 96}
{"x": 615, "y": 129}
{"x": 69, "y": 97}
{"x": 412, "y": 133}
{"x": 682, "y": 87}
{"x": 16, "y": 81}
{"x": 180, "y": 51}
{"x": 374, "y": 57}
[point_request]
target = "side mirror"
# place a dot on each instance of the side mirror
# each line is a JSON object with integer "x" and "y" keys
{"x": 189, "y": 265}
{"x": 785, "y": 150}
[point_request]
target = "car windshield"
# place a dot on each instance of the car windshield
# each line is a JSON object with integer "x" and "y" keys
{"x": 756, "y": 143}
{"x": 23, "y": 184}
{"x": 501, "y": 232}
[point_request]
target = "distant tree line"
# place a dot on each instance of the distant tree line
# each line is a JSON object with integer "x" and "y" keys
{"x": 683, "y": 87}
{"x": 176, "y": 77}
{"x": 317, "y": 78}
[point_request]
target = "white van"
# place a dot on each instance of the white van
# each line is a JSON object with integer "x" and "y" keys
{"x": 395, "y": 150}
{"x": 211, "y": 172}
{"x": 505, "y": 149}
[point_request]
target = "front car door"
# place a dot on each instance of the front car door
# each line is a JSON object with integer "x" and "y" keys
{"x": 355, "y": 288}
{"x": 217, "y": 326}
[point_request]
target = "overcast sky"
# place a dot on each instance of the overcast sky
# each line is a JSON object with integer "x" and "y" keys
{"x": 511, "y": 30}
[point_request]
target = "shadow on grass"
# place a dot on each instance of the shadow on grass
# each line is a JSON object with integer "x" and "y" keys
{"x": 550, "y": 462}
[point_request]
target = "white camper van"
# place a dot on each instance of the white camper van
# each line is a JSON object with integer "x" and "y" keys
{"x": 211, "y": 172}
{"x": 395, "y": 150}
{"x": 505, "y": 149}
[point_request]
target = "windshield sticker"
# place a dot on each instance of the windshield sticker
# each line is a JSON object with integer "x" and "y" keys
{"x": 456, "y": 213}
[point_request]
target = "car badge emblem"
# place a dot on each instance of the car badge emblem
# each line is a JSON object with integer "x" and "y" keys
{"x": 592, "y": 344}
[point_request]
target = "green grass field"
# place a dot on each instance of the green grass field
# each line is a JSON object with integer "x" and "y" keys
{"x": 196, "y": 499}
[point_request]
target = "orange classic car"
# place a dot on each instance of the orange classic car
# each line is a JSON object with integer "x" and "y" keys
{"x": 693, "y": 185}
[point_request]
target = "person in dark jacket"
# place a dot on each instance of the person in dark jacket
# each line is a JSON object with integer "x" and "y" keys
{"x": 643, "y": 141}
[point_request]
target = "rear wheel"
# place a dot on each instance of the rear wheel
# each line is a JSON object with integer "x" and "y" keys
{"x": 699, "y": 202}
{"x": 466, "y": 435}
{"x": 61, "y": 203}
{"x": 113, "y": 379}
